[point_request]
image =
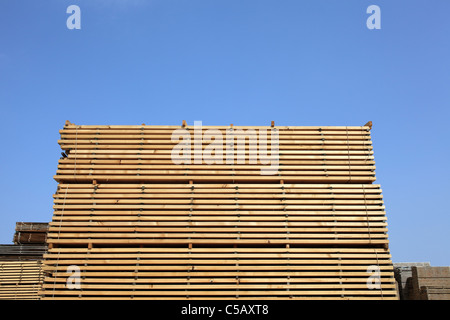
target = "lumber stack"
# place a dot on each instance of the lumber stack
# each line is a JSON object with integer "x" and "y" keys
{"x": 30, "y": 233}
{"x": 218, "y": 214}
{"x": 403, "y": 276}
{"x": 22, "y": 252}
{"x": 29, "y": 242}
{"x": 138, "y": 226}
{"x": 20, "y": 280}
{"x": 144, "y": 154}
{"x": 21, "y": 272}
{"x": 430, "y": 283}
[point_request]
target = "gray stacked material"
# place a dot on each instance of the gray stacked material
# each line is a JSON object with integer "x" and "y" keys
{"x": 403, "y": 272}
{"x": 431, "y": 283}
{"x": 421, "y": 281}
{"x": 22, "y": 252}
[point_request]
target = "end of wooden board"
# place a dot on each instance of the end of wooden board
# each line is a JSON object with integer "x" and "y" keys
{"x": 68, "y": 123}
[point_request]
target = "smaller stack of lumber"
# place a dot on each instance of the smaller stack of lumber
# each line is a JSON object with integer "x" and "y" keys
{"x": 30, "y": 233}
{"x": 21, "y": 272}
{"x": 17, "y": 252}
{"x": 20, "y": 280}
{"x": 420, "y": 281}
{"x": 403, "y": 276}
{"x": 430, "y": 283}
{"x": 29, "y": 242}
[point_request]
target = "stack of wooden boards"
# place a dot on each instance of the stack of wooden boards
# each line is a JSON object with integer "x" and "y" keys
{"x": 403, "y": 274}
{"x": 138, "y": 226}
{"x": 22, "y": 251}
{"x": 144, "y": 154}
{"x": 21, "y": 272}
{"x": 431, "y": 283}
{"x": 30, "y": 233}
{"x": 20, "y": 280}
{"x": 420, "y": 281}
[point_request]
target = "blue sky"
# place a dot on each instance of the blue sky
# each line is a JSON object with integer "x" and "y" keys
{"x": 244, "y": 62}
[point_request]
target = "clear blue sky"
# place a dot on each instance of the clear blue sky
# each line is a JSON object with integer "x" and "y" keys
{"x": 245, "y": 62}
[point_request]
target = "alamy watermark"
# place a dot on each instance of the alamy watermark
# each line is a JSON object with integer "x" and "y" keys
{"x": 74, "y": 280}
{"x": 374, "y": 280}
{"x": 74, "y": 20}
{"x": 211, "y": 146}
{"x": 372, "y": 22}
